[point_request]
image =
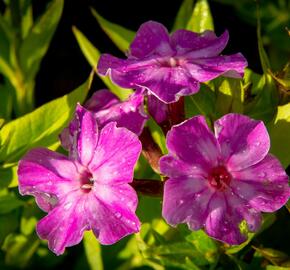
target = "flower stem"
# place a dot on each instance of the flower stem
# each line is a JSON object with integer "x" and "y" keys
{"x": 150, "y": 149}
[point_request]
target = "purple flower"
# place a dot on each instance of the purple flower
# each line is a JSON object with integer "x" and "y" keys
{"x": 218, "y": 180}
{"x": 170, "y": 66}
{"x": 87, "y": 191}
{"x": 107, "y": 108}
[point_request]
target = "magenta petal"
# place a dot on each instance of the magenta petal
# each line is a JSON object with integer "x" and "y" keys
{"x": 210, "y": 68}
{"x": 116, "y": 155}
{"x": 196, "y": 45}
{"x": 157, "y": 109}
{"x": 47, "y": 176}
{"x": 264, "y": 185}
{"x": 185, "y": 201}
{"x": 151, "y": 38}
{"x": 223, "y": 221}
{"x": 111, "y": 212}
{"x": 65, "y": 224}
{"x": 243, "y": 141}
{"x": 129, "y": 114}
{"x": 101, "y": 100}
{"x": 193, "y": 143}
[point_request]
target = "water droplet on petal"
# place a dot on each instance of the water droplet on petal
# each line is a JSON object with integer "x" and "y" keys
{"x": 118, "y": 215}
{"x": 67, "y": 205}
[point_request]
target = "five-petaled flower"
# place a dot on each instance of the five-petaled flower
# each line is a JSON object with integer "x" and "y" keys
{"x": 170, "y": 66}
{"x": 89, "y": 190}
{"x": 218, "y": 180}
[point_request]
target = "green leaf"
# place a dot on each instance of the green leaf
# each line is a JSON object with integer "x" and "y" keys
{"x": 263, "y": 105}
{"x": 9, "y": 203}
{"x": 157, "y": 135}
{"x": 121, "y": 36}
{"x": 36, "y": 43}
{"x": 201, "y": 18}
{"x": 90, "y": 52}
{"x": 202, "y": 102}
{"x": 183, "y": 15}
{"x": 279, "y": 130}
{"x": 93, "y": 251}
{"x": 6, "y": 100}
{"x": 92, "y": 55}
{"x": 204, "y": 244}
{"x": 8, "y": 224}
{"x": 26, "y": 17}
{"x": 263, "y": 56}
{"x": 40, "y": 127}
{"x": 230, "y": 97}
{"x": 276, "y": 257}
{"x": 19, "y": 249}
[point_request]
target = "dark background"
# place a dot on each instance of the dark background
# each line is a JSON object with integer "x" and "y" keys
{"x": 64, "y": 67}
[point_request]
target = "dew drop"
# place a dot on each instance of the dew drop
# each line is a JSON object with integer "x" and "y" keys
{"x": 118, "y": 215}
{"x": 67, "y": 205}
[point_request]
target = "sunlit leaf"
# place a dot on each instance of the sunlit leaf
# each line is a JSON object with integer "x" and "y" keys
{"x": 92, "y": 55}
{"x": 37, "y": 40}
{"x": 279, "y": 130}
{"x": 93, "y": 251}
{"x": 121, "y": 36}
{"x": 201, "y": 18}
{"x": 183, "y": 15}
{"x": 40, "y": 127}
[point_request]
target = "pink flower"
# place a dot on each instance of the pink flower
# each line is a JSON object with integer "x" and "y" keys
{"x": 170, "y": 66}
{"x": 88, "y": 190}
{"x": 218, "y": 180}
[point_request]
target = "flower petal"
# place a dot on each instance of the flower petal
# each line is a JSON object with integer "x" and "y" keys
{"x": 223, "y": 221}
{"x": 157, "y": 109}
{"x": 193, "y": 143}
{"x": 129, "y": 114}
{"x": 101, "y": 100}
{"x": 47, "y": 176}
{"x": 115, "y": 156}
{"x": 194, "y": 45}
{"x": 264, "y": 185}
{"x": 65, "y": 224}
{"x": 111, "y": 212}
{"x": 205, "y": 69}
{"x": 84, "y": 135}
{"x": 185, "y": 200}
{"x": 243, "y": 141}
{"x": 151, "y": 38}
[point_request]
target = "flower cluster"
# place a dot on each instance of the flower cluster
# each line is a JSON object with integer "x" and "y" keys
{"x": 215, "y": 180}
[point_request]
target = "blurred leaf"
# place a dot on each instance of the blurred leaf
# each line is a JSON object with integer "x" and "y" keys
{"x": 19, "y": 249}
{"x": 183, "y": 15}
{"x": 121, "y": 36}
{"x": 202, "y": 103}
{"x": 263, "y": 56}
{"x": 26, "y": 17}
{"x": 8, "y": 224}
{"x": 279, "y": 130}
{"x": 8, "y": 177}
{"x": 2, "y": 121}
{"x": 29, "y": 216}
{"x": 149, "y": 208}
{"x": 9, "y": 203}
{"x": 274, "y": 256}
{"x": 93, "y": 251}
{"x": 92, "y": 55}
{"x": 5, "y": 46}
{"x": 5, "y": 101}
{"x": 201, "y": 18}
{"x": 204, "y": 244}
{"x": 273, "y": 267}
{"x": 40, "y": 127}
{"x": 36, "y": 43}
{"x": 230, "y": 97}
{"x": 90, "y": 52}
